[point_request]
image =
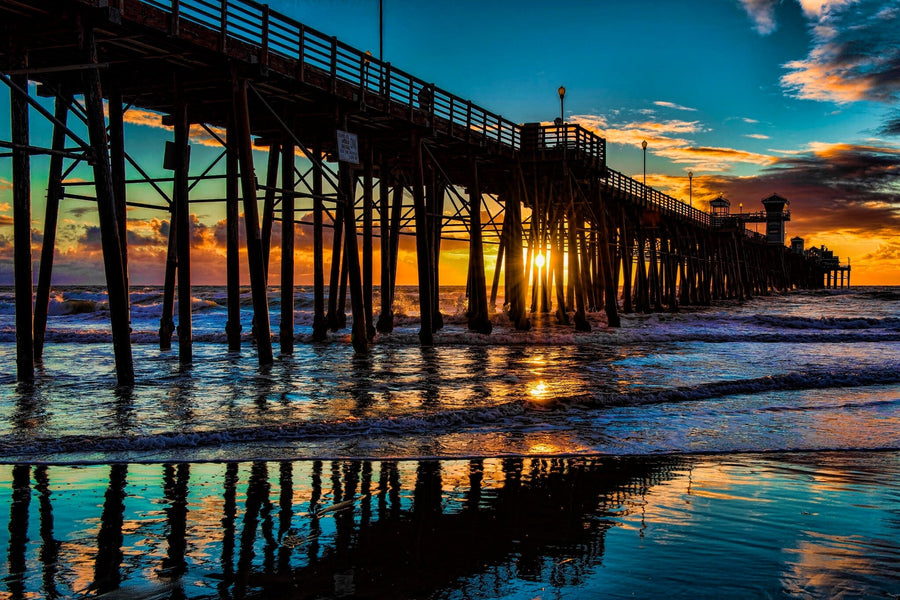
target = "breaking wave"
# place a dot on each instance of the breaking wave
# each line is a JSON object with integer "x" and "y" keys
{"x": 526, "y": 414}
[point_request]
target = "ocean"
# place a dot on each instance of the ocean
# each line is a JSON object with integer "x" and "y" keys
{"x": 745, "y": 449}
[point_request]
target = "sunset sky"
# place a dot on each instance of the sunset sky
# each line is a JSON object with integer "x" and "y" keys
{"x": 795, "y": 97}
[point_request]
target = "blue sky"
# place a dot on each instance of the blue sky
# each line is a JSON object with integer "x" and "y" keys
{"x": 795, "y": 97}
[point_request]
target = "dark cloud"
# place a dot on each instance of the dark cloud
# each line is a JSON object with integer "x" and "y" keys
{"x": 90, "y": 239}
{"x": 79, "y": 212}
{"x": 892, "y": 125}
{"x": 841, "y": 187}
{"x": 134, "y": 238}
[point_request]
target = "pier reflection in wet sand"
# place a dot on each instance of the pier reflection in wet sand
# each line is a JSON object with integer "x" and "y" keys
{"x": 814, "y": 524}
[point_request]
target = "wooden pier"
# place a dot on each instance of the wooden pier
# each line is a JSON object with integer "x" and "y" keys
{"x": 390, "y": 155}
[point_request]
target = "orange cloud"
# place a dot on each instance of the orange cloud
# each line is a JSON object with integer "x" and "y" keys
{"x": 148, "y": 118}
{"x": 820, "y": 77}
{"x": 663, "y": 139}
{"x": 657, "y": 134}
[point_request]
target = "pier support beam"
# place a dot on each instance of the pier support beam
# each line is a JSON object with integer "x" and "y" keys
{"x": 575, "y": 275}
{"x": 479, "y": 319}
{"x": 109, "y": 226}
{"x": 358, "y": 335}
{"x": 182, "y": 216}
{"x": 515, "y": 269}
{"x": 232, "y": 223}
{"x": 48, "y": 247}
{"x": 320, "y": 323}
{"x": 286, "y": 327}
{"x": 265, "y": 234}
{"x": 332, "y": 318}
{"x": 436, "y": 192}
{"x": 368, "y": 209}
{"x": 166, "y": 320}
{"x": 423, "y": 250}
{"x": 610, "y": 283}
{"x": 385, "y": 322}
{"x": 22, "y": 275}
{"x": 625, "y": 252}
{"x": 251, "y": 221}
{"x": 117, "y": 168}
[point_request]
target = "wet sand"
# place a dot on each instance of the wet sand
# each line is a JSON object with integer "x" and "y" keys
{"x": 814, "y": 525}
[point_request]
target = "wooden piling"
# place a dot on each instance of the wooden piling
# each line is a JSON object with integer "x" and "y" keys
{"x": 626, "y": 256}
{"x": 654, "y": 275}
{"x": 166, "y": 320}
{"x": 320, "y": 322}
{"x": 368, "y": 209}
{"x": 436, "y": 207}
{"x": 51, "y": 215}
{"x": 358, "y": 335}
{"x": 251, "y": 222}
{"x": 286, "y": 325}
{"x": 183, "y": 227}
{"x": 423, "y": 250}
{"x": 385, "y": 322}
{"x": 478, "y": 317}
{"x": 22, "y": 274}
{"x": 331, "y": 318}
{"x": 557, "y": 236}
{"x": 576, "y": 222}
{"x": 109, "y": 226}
{"x": 610, "y": 279}
{"x": 269, "y": 197}
{"x": 117, "y": 168}
{"x": 232, "y": 257}
{"x": 516, "y": 285}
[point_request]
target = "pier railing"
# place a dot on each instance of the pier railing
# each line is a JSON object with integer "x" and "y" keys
{"x": 563, "y": 141}
{"x": 272, "y": 34}
{"x": 275, "y": 34}
{"x": 652, "y": 198}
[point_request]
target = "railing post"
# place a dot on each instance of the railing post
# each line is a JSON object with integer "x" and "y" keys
{"x": 333, "y": 63}
{"x": 264, "y": 42}
{"x": 173, "y": 22}
{"x": 301, "y": 54}
{"x": 223, "y": 25}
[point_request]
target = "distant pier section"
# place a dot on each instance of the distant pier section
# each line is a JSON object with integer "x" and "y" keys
{"x": 357, "y": 147}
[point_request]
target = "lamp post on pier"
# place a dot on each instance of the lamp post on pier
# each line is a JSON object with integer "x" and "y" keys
{"x": 562, "y": 95}
{"x": 644, "y": 147}
{"x": 691, "y": 188}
